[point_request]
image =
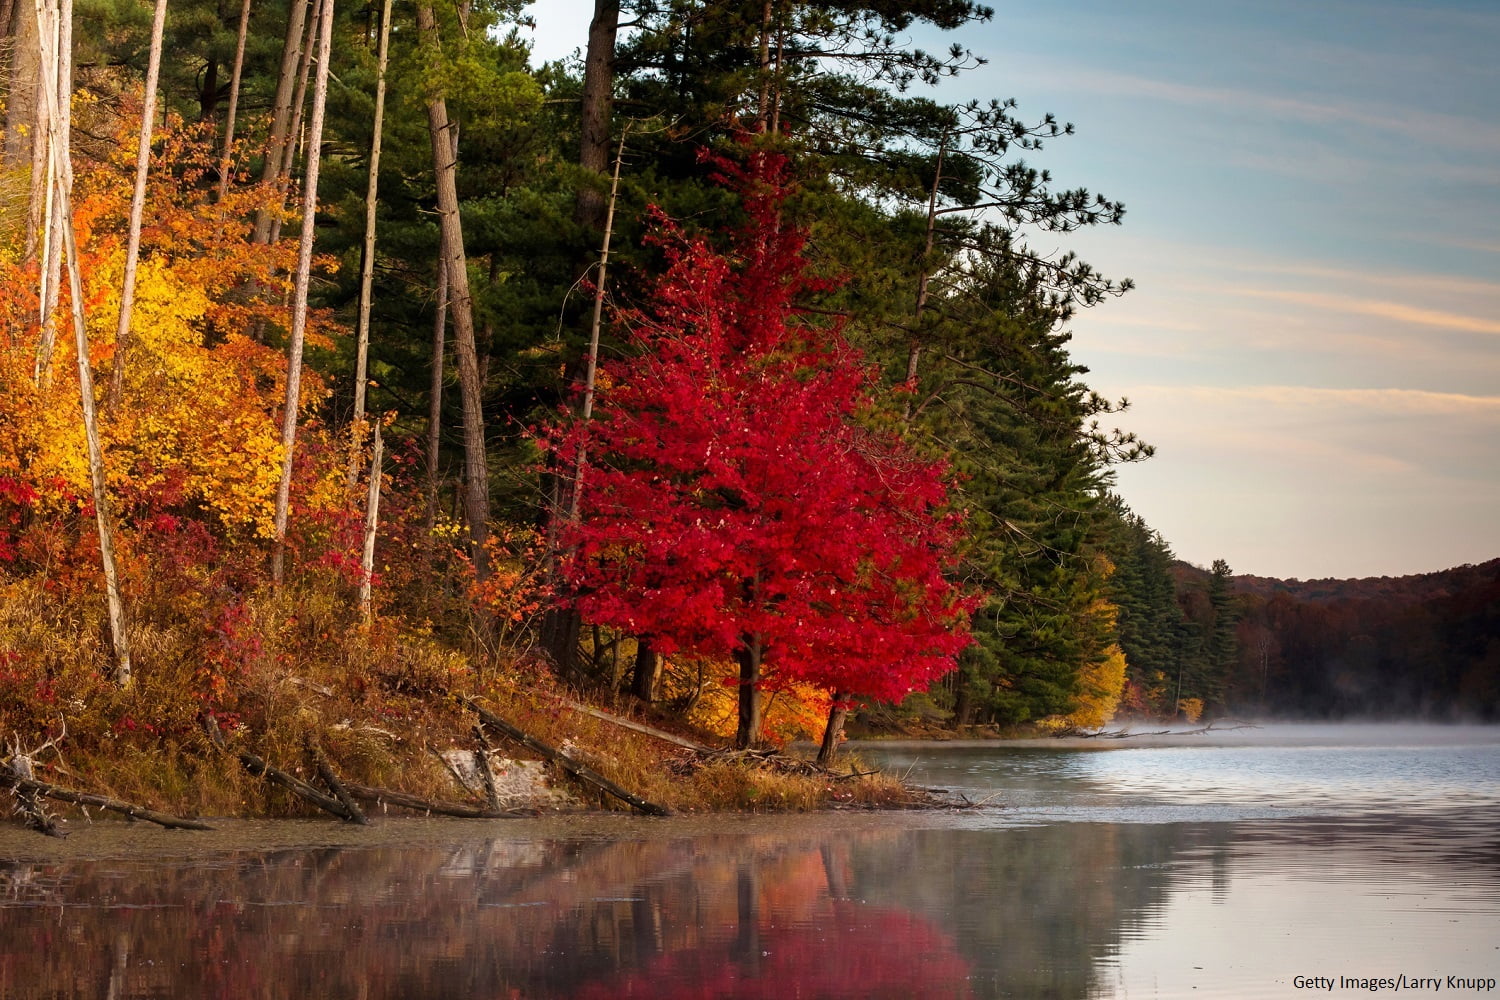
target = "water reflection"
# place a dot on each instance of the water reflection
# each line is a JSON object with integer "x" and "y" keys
{"x": 966, "y": 904}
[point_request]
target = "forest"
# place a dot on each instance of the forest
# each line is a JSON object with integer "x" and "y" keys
{"x": 352, "y": 360}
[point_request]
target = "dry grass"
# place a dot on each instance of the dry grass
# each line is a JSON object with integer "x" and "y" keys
{"x": 299, "y": 665}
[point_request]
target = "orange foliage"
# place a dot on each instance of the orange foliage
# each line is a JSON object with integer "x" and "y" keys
{"x": 201, "y": 393}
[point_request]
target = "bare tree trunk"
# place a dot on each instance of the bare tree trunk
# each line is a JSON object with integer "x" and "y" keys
{"x": 372, "y": 521}
{"x": 226, "y": 161}
{"x": 367, "y": 264}
{"x": 461, "y": 309}
{"x": 137, "y": 209}
{"x": 55, "y": 38}
{"x": 914, "y": 349}
{"x": 435, "y": 397}
{"x": 294, "y": 140}
{"x": 281, "y": 108}
{"x": 591, "y": 361}
{"x": 299, "y": 297}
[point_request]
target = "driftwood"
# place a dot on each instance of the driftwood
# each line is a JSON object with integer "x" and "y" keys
{"x": 261, "y": 769}
{"x": 583, "y": 773}
{"x": 15, "y": 773}
{"x": 30, "y": 786}
{"x": 389, "y": 796}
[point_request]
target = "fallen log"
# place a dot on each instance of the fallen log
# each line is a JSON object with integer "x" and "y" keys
{"x": 35, "y": 787}
{"x": 583, "y": 773}
{"x": 389, "y": 796}
{"x": 335, "y": 785}
{"x": 637, "y": 727}
{"x": 260, "y": 768}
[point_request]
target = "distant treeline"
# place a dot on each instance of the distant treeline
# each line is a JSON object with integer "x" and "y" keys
{"x": 1196, "y": 640}
{"x": 1426, "y": 646}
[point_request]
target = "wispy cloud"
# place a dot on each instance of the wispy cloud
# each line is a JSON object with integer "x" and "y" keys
{"x": 1378, "y": 308}
{"x": 1425, "y": 125}
{"x": 1393, "y": 401}
{"x": 1416, "y": 281}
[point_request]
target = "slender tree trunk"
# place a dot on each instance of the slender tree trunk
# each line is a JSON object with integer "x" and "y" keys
{"x": 227, "y": 160}
{"x": 55, "y": 38}
{"x": 750, "y": 705}
{"x": 281, "y": 108}
{"x": 763, "y": 106}
{"x": 591, "y": 360}
{"x": 372, "y": 521}
{"x": 435, "y": 397}
{"x": 137, "y": 209}
{"x": 837, "y": 713}
{"x": 914, "y": 349}
{"x": 461, "y": 309}
{"x": 299, "y": 295}
{"x": 367, "y": 263}
{"x": 294, "y": 140}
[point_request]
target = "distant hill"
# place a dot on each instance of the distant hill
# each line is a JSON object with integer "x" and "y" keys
{"x": 1400, "y": 589}
{"x": 1422, "y": 646}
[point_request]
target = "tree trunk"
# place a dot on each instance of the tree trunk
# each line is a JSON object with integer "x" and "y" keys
{"x": 837, "y": 713}
{"x": 299, "y": 295}
{"x": 367, "y": 263}
{"x": 372, "y": 521}
{"x": 137, "y": 209}
{"x": 914, "y": 349}
{"x": 294, "y": 143}
{"x": 208, "y": 94}
{"x": 281, "y": 108}
{"x": 25, "y": 135}
{"x": 598, "y": 101}
{"x": 227, "y": 160}
{"x": 435, "y": 397}
{"x": 749, "y": 657}
{"x": 647, "y": 671}
{"x": 461, "y": 309}
{"x": 55, "y": 36}
{"x": 54, "y": 117}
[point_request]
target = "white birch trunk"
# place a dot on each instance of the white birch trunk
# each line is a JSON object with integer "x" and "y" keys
{"x": 137, "y": 208}
{"x": 55, "y": 35}
{"x": 367, "y": 265}
{"x": 299, "y": 295}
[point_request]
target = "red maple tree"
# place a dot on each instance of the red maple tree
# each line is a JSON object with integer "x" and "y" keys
{"x": 735, "y": 505}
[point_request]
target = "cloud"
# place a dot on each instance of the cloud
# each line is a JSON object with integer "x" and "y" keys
{"x": 1378, "y": 308}
{"x": 1390, "y": 401}
{"x": 1424, "y": 126}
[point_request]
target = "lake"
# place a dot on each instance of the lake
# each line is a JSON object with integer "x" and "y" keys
{"x": 1271, "y": 862}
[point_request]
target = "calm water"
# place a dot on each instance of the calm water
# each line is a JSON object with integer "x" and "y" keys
{"x": 1227, "y": 867}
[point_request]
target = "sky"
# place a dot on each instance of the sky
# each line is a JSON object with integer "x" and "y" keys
{"x": 1312, "y": 197}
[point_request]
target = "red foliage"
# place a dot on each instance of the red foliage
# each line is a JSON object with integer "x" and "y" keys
{"x": 856, "y": 951}
{"x": 732, "y": 492}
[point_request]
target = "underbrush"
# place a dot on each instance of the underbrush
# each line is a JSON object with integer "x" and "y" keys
{"x": 276, "y": 672}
